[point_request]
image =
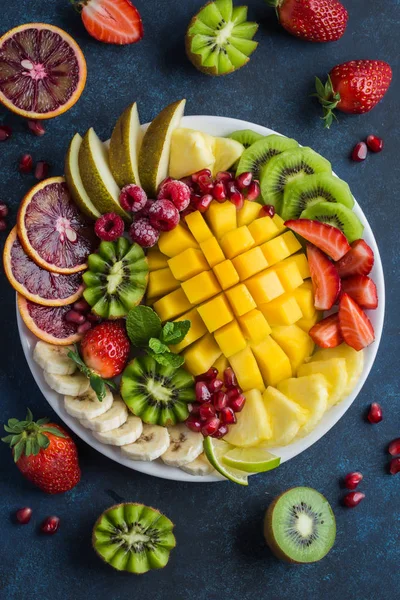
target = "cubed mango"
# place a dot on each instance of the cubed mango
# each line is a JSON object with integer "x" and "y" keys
{"x": 275, "y": 250}
{"x": 201, "y": 287}
{"x": 237, "y": 241}
{"x": 295, "y": 343}
{"x": 265, "y": 286}
{"x": 156, "y": 260}
{"x": 189, "y": 263}
{"x": 291, "y": 242}
{"x": 226, "y": 274}
{"x": 248, "y": 212}
{"x": 212, "y": 251}
{"x": 221, "y": 217}
{"x": 263, "y": 230}
{"x": 302, "y": 264}
{"x": 196, "y": 331}
{"x": 305, "y": 299}
{"x": 240, "y": 299}
{"x": 289, "y": 275}
{"x": 230, "y": 339}
{"x": 282, "y": 311}
{"x": 279, "y": 222}
{"x": 306, "y": 324}
{"x": 161, "y": 282}
{"x": 246, "y": 370}
{"x": 221, "y": 364}
{"x": 172, "y": 305}
{"x": 254, "y": 326}
{"x": 198, "y": 226}
{"x": 176, "y": 241}
{"x": 272, "y": 361}
{"x": 201, "y": 355}
{"x": 250, "y": 263}
{"x": 216, "y": 313}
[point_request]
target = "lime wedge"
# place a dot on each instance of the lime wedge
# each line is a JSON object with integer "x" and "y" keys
{"x": 215, "y": 450}
{"x": 251, "y": 460}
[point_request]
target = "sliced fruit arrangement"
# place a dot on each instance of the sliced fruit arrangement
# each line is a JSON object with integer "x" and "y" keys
{"x": 48, "y": 323}
{"x": 219, "y": 39}
{"x": 111, "y": 21}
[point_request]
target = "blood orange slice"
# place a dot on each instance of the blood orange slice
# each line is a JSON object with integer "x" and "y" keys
{"x": 48, "y": 322}
{"x": 52, "y": 230}
{"x": 35, "y": 283}
{"x": 42, "y": 71}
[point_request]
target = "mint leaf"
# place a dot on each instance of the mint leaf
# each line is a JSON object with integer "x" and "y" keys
{"x": 176, "y": 333}
{"x": 142, "y": 323}
{"x": 157, "y": 346}
{"x": 168, "y": 359}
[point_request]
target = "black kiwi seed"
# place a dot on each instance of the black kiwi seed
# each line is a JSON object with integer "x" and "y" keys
{"x": 260, "y": 153}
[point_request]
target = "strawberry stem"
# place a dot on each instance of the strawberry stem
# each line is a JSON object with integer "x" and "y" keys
{"x": 328, "y": 98}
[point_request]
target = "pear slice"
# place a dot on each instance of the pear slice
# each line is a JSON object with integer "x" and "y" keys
{"x": 155, "y": 150}
{"x": 74, "y": 179}
{"x": 125, "y": 144}
{"x": 226, "y": 152}
{"x": 191, "y": 151}
{"x": 96, "y": 175}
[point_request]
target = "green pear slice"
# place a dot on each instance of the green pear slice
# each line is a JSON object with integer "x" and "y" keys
{"x": 96, "y": 175}
{"x": 124, "y": 147}
{"x": 74, "y": 179}
{"x": 155, "y": 150}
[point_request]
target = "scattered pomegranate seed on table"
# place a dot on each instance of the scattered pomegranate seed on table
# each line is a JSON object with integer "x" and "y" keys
{"x": 3, "y": 225}
{"x": 359, "y": 152}
{"x": 352, "y": 499}
{"x": 36, "y": 127}
{"x": 23, "y": 515}
{"x": 394, "y": 466}
{"x": 132, "y": 198}
{"x": 5, "y": 133}
{"x": 109, "y": 227}
{"x": 267, "y": 211}
{"x": 352, "y": 480}
{"x": 25, "y": 163}
{"x": 375, "y": 143}
{"x": 375, "y": 413}
{"x": 41, "y": 170}
{"x": 394, "y": 447}
{"x": 50, "y": 525}
{"x": 3, "y": 210}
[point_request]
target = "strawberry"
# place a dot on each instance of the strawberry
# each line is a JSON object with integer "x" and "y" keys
{"x": 362, "y": 289}
{"x": 315, "y": 21}
{"x": 326, "y": 237}
{"x": 325, "y": 278}
{"x": 326, "y": 333}
{"x": 356, "y": 328}
{"x": 44, "y": 453}
{"x": 111, "y": 21}
{"x": 105, "y": 349}
{"x": 353, "y": 87}
{"x": 359, "y": 260}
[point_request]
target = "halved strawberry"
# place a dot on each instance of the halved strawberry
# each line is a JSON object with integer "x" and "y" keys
{"x": 326, "y": 333}
{"x": 111, "y": 21}
{"x": 327, "y": 238}
{"x": 362, "y": 289}
{"x": 356, "y": 328}
{"x": 359, "y": 260}
{"x": 325, "y": 278}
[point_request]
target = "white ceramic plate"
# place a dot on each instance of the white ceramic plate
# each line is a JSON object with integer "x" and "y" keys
{"x": 221, "y": 126}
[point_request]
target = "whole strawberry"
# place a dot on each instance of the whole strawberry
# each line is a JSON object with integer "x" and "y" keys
{"x": 44, "y": 453}
{"x": 105, "y": 349}
{"x": 312, "y": 20}
{"x": 353, "y": 87}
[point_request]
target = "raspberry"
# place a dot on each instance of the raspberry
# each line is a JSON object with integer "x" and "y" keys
{"x": 143, "y": 233}
{"x": 132, "y": 198}
{"x": 164, "y": 215}
{"x": 109, "y": 227}
{"x": 145, "y": 210}
{"x": 176, "y": 191}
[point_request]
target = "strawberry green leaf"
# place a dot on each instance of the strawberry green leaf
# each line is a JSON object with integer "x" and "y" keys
{"x": 18, "y": 450}
{"x": 53, "y": 430}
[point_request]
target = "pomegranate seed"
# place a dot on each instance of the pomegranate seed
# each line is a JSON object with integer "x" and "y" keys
{"x": 186, "y": 180}
{"x": 145, "y": 210}
{"x": 93, "y": 318}
{"x": 132, "y": 198}
{"x": 205, "y": 183}
{"x": 194, "y": 423}
{"x": 205, "y": 172}
{"x": 3, "y": 210}
{"x": 394, "y": 447}
{"x": 41, "y": 170}
{"x": 230, "y": 378}
{"x": 228, "y": 415}
{"x": 210, "y": 426}
{"x": 208, "y": 375}
{"x": 235, "y": 196}
{"x": 194, "y": 409}
{"x": 359, "y": 152}
{"x": 25, "y": 163}
{"x": 207, "y": 411}
{"x": 204, "y": 202}
{"x": 394, "y": 466}
{"x": 267, "y": 211}
{"x": 50, "y": 525}
{"x": 219, "y": 192}
{"x": 237, "y": 403}
{"x": 202, "y": 392}
{"x": 3, "y": 225}
{"x": 220, "y": 400}
{"x": 352, "y": 499}
{"x": 243, "y": 180}
{"x": 215, "y": 385}
{"x": 224, "y": 176}
{"x": 233, "y": 393}
{"x": 73, "y": 316}
{"x": 5, "y": 132}
{"x": 84, "y": 327}
{"x": 375, "y": 413}
{"x": 109, "y": 227}
{"x": 81, "y": 305}
{"x": 352, "y": 480}
{"x": 36, "y": 128}
{"x": 253, "y": 191}
{"x": 375, "y": 143}
{"x": 221, "y": 431}
{"x": 23, "y": 515}
{"x": 143, "y": 233}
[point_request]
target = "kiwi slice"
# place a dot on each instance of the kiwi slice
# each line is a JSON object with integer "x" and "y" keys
{"x": 286, "y": 167}
{"x": 322, "y": 187}
{"x": 300, "y": 526}
{"x": 158, "y": 394}
{"x": 337, "y": 215}
{"x": 133, "y": 537}
{"x": 246, "y": 137}
{"x": 260, "y": 153}
{"x": 116, "y": 278}
{"x": 219, "y": 40}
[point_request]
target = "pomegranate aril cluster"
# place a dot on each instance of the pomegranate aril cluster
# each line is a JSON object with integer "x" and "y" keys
{"x": 217, "y": 403}
{"x": 394, "y": 451}
{"x": 81, "y": 316}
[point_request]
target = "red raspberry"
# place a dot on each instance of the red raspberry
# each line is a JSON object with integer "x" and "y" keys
{"x": 145, "y": 210}
{"x": 132, "y": 198}
{"x": 109, "y": 227}
{"x": 164, "y": 215}
{"x": 176, "y": 191}
{"x": 143, "y": 233}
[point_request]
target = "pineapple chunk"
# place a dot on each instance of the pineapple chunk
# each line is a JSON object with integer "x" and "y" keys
{"x": 335, "y": 372}
{"x": 354, "y": 362}
{"x": 171, "y": 306}
{"x": 156, "y": 260}
{"x": 201, "y": 355}
{"x": 236, "y": 242}
{"x": 246, "y": 370}
{"x": 248, "y": 212}
{"x": 196, "y": 331}
{"x": 161, "y": 282}
{"x": 286, "y": 416}
{"x": 226, "y": 152}
{"x": 216, "y": 313}
{"x": 198, "y": 227}
{"x": 221, "y": 218}
{"x": 189, "y": 263}
{"x": 191, "y": 151}
{"x": 272, "y": 361}
{"x": 221, "y": 364}
{"x": 311, "y": 392}
{"x": 176, "y": 241}
{"x": 226, "y": 274}
{"x": 230, "y": 339}
{"x": 253, "y": 426}
{"x": 201, "y": 287}
{"x": 295, "y": 342}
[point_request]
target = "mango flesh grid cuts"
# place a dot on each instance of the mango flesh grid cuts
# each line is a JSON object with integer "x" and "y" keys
{"x": 196, "y": 331}
{"x": 301, "y": 261}
{"x": 273, "y": 362}
{"x": 304, "y": 296}
{"x": 221, "y": 364}
{"x": 254, "y": 326}
{"x": 201, "y": 355}
{"x": 172, "y": 305}
{"x": 230, "y": 339}
{"x": 295, "y": 342}
{"x": 237, "y": 241}
{"x": 198, "y": 226}
{"x": 240, "y": 299}
{"x": 201, "y": 287}
{"x": 226, "y": 274}
{"x": 248, "y": 213}
{"x": 176, "y": 241}
{"x": 221, "y": 218}
{"x": 250, "y": 263}
{"x": 189, "y": 263}
{"x": 246, "y": 370}
{"x": 212, "y": 251}
{"x": 156, "y": 260}
{"x": 263, "y": 230}
{"x": 161, "y": 282}
{"x": 282, "y": 311}
{"x": 289, "y": 275}
{"x": 216, "y": 313}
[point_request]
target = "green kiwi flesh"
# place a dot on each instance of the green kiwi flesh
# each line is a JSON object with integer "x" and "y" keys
{"x": 300, "y": 526}
{"x": 116, "y": 278}
{"x": 246, "y": 137}
{"x": 158, "y": 394}
{"x": 306, "y": 192}
{"x": 133, "y": 537}
{"x": 337, "y": 215}
{"x": 261, "y": 152}
{"x": 219, "y": 39}
{"x": 289, "y": 166}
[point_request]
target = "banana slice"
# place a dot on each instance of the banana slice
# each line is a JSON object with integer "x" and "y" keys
{"x": 87, "y": 406}
{"x": 185, "y": 446}
{"x": 54, "y": 359}
{"x": 126, "y": 434}
{"x": 199, "y": 466}
{"x": 113, "y": 418}
{"x": 153, "y": 442}
{"x": 71, "y": 385}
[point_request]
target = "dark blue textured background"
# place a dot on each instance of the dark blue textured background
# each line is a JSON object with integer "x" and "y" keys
{"x": 220, "y": 552}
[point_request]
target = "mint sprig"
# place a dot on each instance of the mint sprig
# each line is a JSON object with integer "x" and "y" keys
{"x": 97, "y": 383}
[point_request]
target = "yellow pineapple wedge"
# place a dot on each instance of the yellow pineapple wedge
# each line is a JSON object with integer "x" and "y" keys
{"x": 311, "y": 392}
{"x": 226, "y": 152}
{"x": 191, "y": 151}
{"x": 354, "y": 362}
{"x": 335, "y": 372}
{"x": 253, "y": 426}
{"x": 286, "y": 416}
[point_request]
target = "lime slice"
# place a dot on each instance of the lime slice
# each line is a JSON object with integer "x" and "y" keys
{"x": 215, "y": 451}
{"x": 251, "y": 460}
